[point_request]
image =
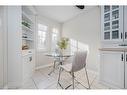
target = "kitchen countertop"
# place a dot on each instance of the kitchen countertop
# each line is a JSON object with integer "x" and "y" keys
{"x": 114, "y": 49}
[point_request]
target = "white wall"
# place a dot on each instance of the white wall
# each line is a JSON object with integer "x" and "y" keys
{"x": 41, "y": 59}
{"x": 14, "y": 46}
{"x": 1, "y": 47}
{"x": 86, "y": 29}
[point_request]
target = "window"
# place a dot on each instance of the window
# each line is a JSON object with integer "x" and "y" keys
{"x": 54, "y": 38}
{"x": 73, "y": 45}
{"x": 77, "y": 46}
{"x": 42, "y": 32}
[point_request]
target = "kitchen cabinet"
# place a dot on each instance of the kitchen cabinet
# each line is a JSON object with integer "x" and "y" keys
{"x": 113, "y": 67}
{"x": 112, "y": 18}
{"x": 28, "y": 43}
{"x": 27, "y": 61}
{"x": 125, "y": 24}
{"x": 125, "y": 70}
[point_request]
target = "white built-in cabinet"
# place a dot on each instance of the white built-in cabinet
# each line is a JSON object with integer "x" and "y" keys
{"x": 113, "y": 54}
{"x": 112, "y": 23}
{"x": 125, "y": 24}
{"x": 112, "y": 68}
{"x": 21, "y": 63}
{"x": 28, "y": 67}
{"x": 125, "y": 70}
{"x": 28, "y": 53}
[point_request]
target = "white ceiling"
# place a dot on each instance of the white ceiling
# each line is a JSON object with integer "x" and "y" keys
{"x": 60, "y": 13}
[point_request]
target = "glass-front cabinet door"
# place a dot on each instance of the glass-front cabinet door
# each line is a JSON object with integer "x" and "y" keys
{"x": 112, "y": 23}
{"x": 125, "y": 23}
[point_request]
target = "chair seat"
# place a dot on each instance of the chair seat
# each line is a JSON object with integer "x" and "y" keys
{"x": 67, "y": 67}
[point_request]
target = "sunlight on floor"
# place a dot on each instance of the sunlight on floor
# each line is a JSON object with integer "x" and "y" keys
{"x": 41, "y": 80}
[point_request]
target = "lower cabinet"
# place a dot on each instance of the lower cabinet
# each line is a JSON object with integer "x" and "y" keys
{"x": 126, "y": 70}
{"x": 112, "y": 66}
{"x": 27, "y": 67}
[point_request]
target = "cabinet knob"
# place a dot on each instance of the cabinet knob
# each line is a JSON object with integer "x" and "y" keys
{"x": 30, "y": 59}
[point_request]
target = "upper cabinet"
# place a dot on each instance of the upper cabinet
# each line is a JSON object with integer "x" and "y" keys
{"x": 125, "y": 24}
{"x": 112, "y": 23}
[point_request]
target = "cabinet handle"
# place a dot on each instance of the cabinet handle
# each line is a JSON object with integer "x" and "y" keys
{"x": 121, "y": 57}
{"x": 126, "y": 57}
{"x": 30, "y": 59}
{"x": 125, "y": 35}
{"x": 121, "y": 35}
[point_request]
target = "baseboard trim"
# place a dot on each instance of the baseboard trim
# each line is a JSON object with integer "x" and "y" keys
{"x": 5, "y": 87}
{"x": 14, "y": 85}
{"x": 109, "y": 85}
{"x": 44, "y": 66}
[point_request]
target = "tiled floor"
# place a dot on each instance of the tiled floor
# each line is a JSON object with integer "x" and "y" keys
{"x": 41, "y": 80}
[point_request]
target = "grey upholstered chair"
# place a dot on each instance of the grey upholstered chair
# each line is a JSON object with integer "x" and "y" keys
{"x": 78, "y": 63}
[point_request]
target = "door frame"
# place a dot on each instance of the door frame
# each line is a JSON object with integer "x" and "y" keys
{"x": 5, "y": 21}
{"x": 1, "y": 47}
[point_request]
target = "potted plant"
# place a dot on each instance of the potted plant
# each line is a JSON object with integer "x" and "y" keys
{"x": 63, "y": 43}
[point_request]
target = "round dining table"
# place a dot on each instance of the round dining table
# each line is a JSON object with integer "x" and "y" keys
{"x": 60, "y": 58}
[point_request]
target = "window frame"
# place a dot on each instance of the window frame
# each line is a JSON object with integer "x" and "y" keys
{"x": 54, "y": 31}
{"x": 46, "y": 34}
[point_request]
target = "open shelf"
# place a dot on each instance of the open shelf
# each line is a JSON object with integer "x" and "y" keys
{"x": 26, "y": 17}
{"x": 26, "y": 28}
{"x": 28, "y": 39}
{"x": 27, "y": 31}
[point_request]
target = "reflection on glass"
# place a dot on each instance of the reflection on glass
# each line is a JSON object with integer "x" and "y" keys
{"x": 115, "y": 24}
{"x": 106, "y": 35}
{"x": 107, "y": 26}
{"x": 115, "y": 14}
{"x": 106, "y": 8}
{"x": 115, "y": 34}
{"x": 115, "y": 7}
{"x": 107, "y": 17}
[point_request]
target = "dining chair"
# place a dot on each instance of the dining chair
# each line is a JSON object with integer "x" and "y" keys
{"x": 78, "y": 63}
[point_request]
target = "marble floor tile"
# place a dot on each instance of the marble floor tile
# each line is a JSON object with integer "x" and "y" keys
{"x": 29, "y": 84}
{"x": 41, "y": 80}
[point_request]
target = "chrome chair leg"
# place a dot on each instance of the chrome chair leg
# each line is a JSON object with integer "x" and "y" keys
{"x": 87, "y": 78}
{"x": 59, "y": 74}
{"x": 73, "y": 79}
{"x": 53, "y": 69}
{"x": 54, "y": 65}
{"x": 58, "y": 83}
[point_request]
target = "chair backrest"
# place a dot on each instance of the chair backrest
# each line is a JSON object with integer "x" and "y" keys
{"x": 79, "y": 60}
